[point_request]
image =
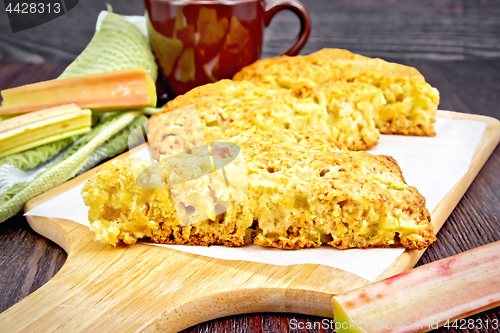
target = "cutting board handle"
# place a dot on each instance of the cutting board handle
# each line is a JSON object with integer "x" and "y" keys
{"x": 103, "y": 288}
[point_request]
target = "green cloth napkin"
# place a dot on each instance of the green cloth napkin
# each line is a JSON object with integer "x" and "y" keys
{"x": 118, "y": 44}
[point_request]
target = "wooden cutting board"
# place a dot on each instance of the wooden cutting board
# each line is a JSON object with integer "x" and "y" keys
{"x": 146, "y": 288}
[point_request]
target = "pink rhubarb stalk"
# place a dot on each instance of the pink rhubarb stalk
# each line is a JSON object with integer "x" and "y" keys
{"x": 426, "y": 297}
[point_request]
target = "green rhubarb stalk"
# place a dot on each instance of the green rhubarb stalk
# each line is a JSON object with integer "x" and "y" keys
{"x": 18, "y": 121}
{"x": 45, "y": 140}
{"x": 424, "y": 298}
{"x": 33, "y": 132}
{"x": 67, "y": 164}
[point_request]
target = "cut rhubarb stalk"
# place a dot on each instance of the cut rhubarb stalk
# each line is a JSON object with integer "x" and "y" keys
{"x": 425, "y": 297}
{"x": 41, "y": 127}
{"x": 17, "y": 121}
{"x": 118, "y": 90}
{"x": 43, "y": 141}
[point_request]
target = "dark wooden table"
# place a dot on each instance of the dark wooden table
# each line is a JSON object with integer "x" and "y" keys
{"x": 455, "y": 44}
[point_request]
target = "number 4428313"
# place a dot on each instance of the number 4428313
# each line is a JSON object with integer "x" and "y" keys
{"x": 33, "y": 8}
{"x": 470, "y": 324}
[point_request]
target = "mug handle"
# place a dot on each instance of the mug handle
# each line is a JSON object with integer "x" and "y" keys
{"x": 273, "y": 7}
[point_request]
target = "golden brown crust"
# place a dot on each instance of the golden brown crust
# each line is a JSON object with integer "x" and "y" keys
{"x": 410, "y": 101}
{"x": 343, "y": 111}
{"x": 303, "y": 191}
{"x": 304, "y": 188}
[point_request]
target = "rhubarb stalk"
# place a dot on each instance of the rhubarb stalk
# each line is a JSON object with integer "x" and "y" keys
{"x": 118, "y": 90}
{"x": 424, "y": 298}
{"x": 35, "y": 129}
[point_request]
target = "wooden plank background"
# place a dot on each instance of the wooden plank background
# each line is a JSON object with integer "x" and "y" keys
{"x": 455, "y": 44}
{"x": 402, "y": 29}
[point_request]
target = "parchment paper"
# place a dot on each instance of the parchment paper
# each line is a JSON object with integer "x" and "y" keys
{"x": 432, "y": 164}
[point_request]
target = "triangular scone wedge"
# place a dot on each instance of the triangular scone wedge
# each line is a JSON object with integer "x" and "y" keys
{"x": 344, "y": 111}
{"x": 302, "y": 191}
{"x": 411, "y": 102}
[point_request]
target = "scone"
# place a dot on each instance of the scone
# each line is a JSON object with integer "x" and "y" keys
{"x": 302, "y": 190}
{"x": 410, "y": 102}
{"x": 344, "y": 111}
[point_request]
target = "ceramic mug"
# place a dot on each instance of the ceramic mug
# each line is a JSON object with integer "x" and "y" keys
{"x": 201, "y": 41}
